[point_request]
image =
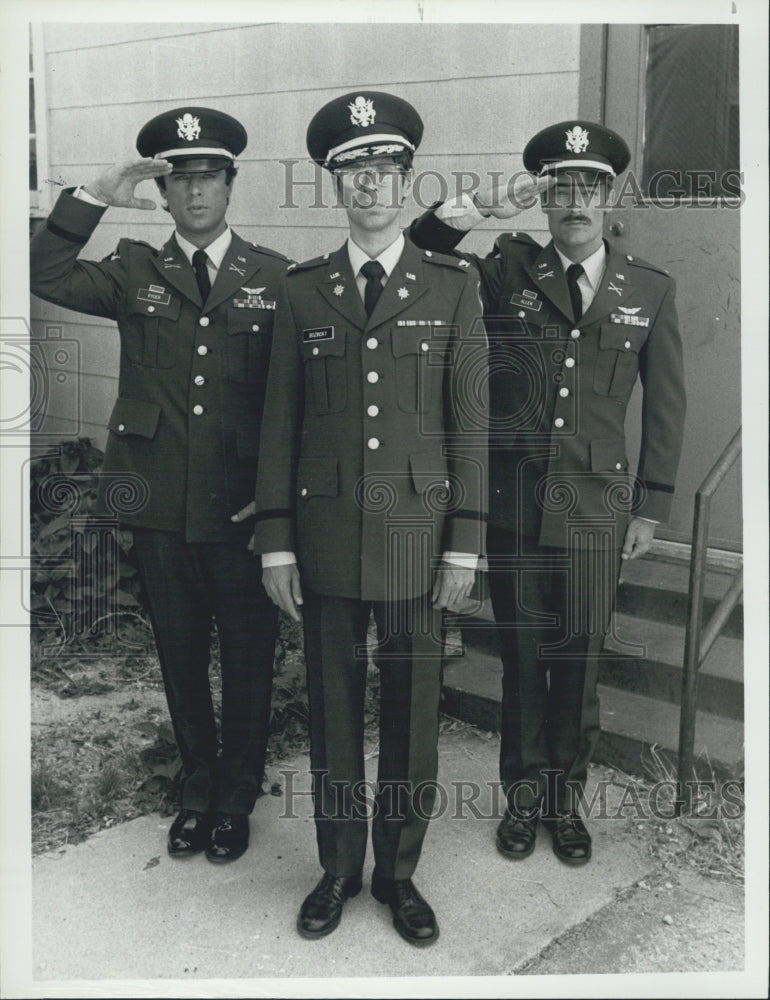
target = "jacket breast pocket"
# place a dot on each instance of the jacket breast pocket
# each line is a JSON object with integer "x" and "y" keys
{"x": 325, "y": 369}
{"x": 149, "y": 331}
{"x": 617, "y": 362}
{"x": 249, "y": 333}
{"x": 419, "y": 367}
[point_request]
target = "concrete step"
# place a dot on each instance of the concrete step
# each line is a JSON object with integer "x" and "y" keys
{"x": 632, "y": 723}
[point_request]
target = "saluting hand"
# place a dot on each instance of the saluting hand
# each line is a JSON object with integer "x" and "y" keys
{"x": 504, "y": 199}
{"x": 116, "y": 185}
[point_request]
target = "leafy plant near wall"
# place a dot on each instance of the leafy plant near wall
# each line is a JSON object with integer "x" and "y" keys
{"x": 83, "y": 578}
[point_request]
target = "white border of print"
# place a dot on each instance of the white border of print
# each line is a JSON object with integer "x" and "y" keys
{"x": 15, "y": 916}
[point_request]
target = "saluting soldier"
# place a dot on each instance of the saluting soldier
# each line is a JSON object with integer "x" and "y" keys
{"x": 195, "y": 320}
{"x": 572, "y": 325}
{"x": 371, "y": 498}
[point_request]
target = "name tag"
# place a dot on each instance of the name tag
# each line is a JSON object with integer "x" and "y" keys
{"x": 155, "y": 293}
{"x": 317, "y": 333}
{"x": 526, "y": 302}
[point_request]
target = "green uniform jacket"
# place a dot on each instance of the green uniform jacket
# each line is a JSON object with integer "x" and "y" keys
{"x": 374, "y": 439}
{"x": 184, "y": 431}
{"x": 559, "y": 390}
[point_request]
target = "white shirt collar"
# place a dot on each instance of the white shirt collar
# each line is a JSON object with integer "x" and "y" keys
{"x": 214, "y": 251}
{"x": 593, "y": 266}
{"x": 388, "y": 258}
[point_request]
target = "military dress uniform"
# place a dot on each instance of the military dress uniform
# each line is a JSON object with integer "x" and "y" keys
{"x": 560, "y": 490}
{"x": 183, "y": 447}
{"x": 374, "y": 464}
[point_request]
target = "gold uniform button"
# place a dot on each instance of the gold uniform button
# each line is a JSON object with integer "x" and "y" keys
{"x": 315, "y": 350}
{"x": 428, "y": 253}
{"x": 204, "y": 321}
{"x": 618, "y": 465}
{"x": 121, "y": 427}
{"x": 627, "y": 344}
{"x": 559, "y": 422}
{"x": 564, "y": 391}
{"x": 203, "y": 350}
{"x": 371, "y": 343}
{"x": 424, "y": 345}
{"x": 255, "y": 328}
{"x": 199, "y": 380}
{"x": 372, "y": 410}
{"x": 373, "y": 444}
{"x": 521, "y": 314}
{"x": 197, "y": 409}
{"x": 570, "y": 362}
{"x": 303, "y": 491}
{"x": 150, "y": 309}
{"x": 372, "y": 377}
{"x": 575, "y": 333}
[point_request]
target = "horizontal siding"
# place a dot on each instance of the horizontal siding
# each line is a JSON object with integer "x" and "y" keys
{"x": 482, "y": 90}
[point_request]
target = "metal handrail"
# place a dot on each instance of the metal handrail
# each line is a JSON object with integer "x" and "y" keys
{"x": 699, "y": 638}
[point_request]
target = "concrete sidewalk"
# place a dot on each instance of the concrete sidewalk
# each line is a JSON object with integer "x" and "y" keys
{"x": 118, "y": 907}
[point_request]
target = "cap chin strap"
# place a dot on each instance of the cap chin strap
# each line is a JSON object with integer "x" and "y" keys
{"x": 189, "y": 152}
{"x": 604, "y": 168}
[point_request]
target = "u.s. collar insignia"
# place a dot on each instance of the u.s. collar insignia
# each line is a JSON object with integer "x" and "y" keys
{"x": 333, "y": 276}
{"x": 238, "y": 270}
{"x": 545, "y": 274}
{"x": 338, "y": 289}
{"x": 403, "y": 293}
{"x": 412, "y": 277}
{"x": 242, "y": 260}
{"x": 614, "y": 288}
{"x": 620, "y": 277}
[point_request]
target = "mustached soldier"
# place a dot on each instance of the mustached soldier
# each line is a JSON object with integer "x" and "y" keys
{"x": 370, "y": 499}
{"x": 572, "y": 326}
{"x": 195, "y": 320}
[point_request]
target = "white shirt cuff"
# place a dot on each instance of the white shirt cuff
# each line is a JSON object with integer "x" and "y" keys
{"x": 459, "y": 213}
{"x": 271, "y": 559}
{"x": 649, "y": 520}
{"x": 463, "y": 559}
{"x": 79, "y": 192}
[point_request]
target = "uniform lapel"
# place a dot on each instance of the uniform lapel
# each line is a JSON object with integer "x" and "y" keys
{"x": 403, "y": 288}
{"x": 175, "y": 268}
{"x": 549, "y": 279}
{"x": 338, "y": 287}
{"x": 239, "y": 265}
{"x": 613, "y": 289}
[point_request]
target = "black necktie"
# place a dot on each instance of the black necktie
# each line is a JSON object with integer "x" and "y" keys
{"x": 573, "y": 273}
{"x": 373, "y": 271}
{"x": 202, "y": 273}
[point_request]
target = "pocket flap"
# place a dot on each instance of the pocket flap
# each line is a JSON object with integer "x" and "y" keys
{"x": 318, "y": 477}
{"x": 428, "y": 470}
{"x": 619, "y": 337}
{"x": 134, "y": 416}
{"x": 608, "y": 455}
{"x": 249, "y": 320}
{"x": 329, "y": 343}
{"x": 146, "y": 302}
{"x": 410, "y": 340}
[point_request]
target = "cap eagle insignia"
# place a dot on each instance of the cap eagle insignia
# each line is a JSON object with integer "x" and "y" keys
{"x": 189, "y": 127}
{"x": 362, "y": 112}
{"x": 577, "y": 139}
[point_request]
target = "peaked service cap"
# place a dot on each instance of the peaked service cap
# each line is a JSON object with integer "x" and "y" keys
{"x": 579, "y": 144}
{"x": 360, "y": 125}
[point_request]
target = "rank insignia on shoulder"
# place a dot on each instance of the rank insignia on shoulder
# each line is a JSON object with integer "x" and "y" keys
{"x": 464, "y": 263}
{"x": 155, "y": 293}
{"x": 311, "y": 335}
{"x": 629, "y": 319}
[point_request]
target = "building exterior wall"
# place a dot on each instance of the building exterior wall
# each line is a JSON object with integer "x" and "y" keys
{"x": 481, "y": 90}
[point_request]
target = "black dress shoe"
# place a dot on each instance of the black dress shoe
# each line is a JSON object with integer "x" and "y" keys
{"x": 571, "y": 840}
{"x": 517, "y": 832}
{"x": 413, "y": 918}
{"x": 189, "y": 833}
{"x": 321, "y": 911}
{"x": 229, "y": 838}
